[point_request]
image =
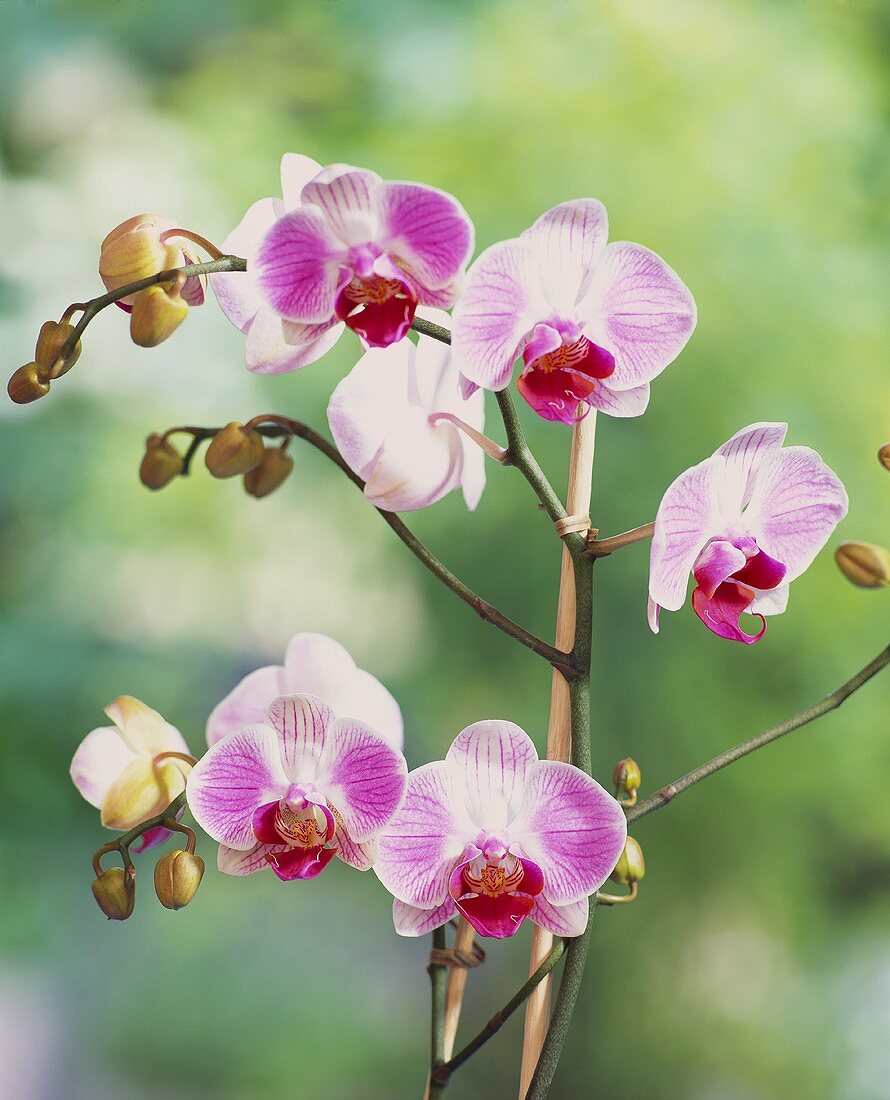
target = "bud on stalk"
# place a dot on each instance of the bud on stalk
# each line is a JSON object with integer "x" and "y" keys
{"x": 115, "y": 893}
{"x": 29, "y": 383}
{"x": 269, "y": 474}
{"x": 52, "y": 338}
{"x": 884, "y": 456}
{"x": 631, "y": 866}
{"x": 863, "y": 563}
{"x": 627, "y": 779}
{"x": 234, "y": 450}
{"x": 177, "y": 878}
{"x": 157, "y": 314}
{"x": 160, "y": 464}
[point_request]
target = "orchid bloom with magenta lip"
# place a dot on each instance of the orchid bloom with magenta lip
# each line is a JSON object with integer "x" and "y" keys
{"x": 593, "y": 322}
{"x": 392, "y": 417}
{"x": 133, "y": 770}
{"x": 745, "y": 522}
{"x": 497, "y": 835}
{"x": 313, "y": 665}
{"x": 296, "y": 790}
{"x": 341, "y": 247}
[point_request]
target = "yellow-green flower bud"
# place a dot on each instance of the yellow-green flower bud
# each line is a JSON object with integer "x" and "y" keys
{"x": 115, "y": 892}
{"x": 156, "y": 315}
{"x": 627, "y": 778}
{"x": 863, "y": 563}
{"x": 269, "y": 474}
{"x": 631, "y": 866}
{"x": 53, "y": 337}
{"x": 29, "y": 383}
{"x": 884, "y": 456}
{"x": 234, "y": 450}
{"x": 160, "y": 464}
{"x": 133, "y": 250}
{"x": 177, "y": 878}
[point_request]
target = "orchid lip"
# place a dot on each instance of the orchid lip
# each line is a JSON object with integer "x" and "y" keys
{"x": 494, "y": 889}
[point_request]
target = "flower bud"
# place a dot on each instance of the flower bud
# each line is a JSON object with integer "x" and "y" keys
{"x": 177, "y": 878}
{"x": 631, "y": 866}
{"x": 160, "y": 464}
{"x": 53, "y": 337}
{"x": 627, "y": 778}
{"x": 884, "y": 456}
{"x": 28, "y": 384}
{"x": 234, "y": 450}
{"x": 269, "y": 474}
{"x": 115, "y": 891}
{"x": 156, "y": 315}
{"x": 864, "y": 564}
{"x": 133, "y": 250}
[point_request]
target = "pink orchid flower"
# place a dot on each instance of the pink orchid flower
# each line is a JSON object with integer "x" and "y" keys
{"x": 313, "y": 665}
{"x": 391, "y": 419}
{"x": 497, "y": 835}
{"x": 133, "y": 770}
{"x": 745, "y": 522}
{"x": 341, "y": 247}
{"x": 297, "y": 789}
{"x": 593, "y": 322}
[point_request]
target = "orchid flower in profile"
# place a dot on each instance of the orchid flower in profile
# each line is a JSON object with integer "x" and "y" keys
{"x": 497, "y": 835}
{"x": 593, "y": 322}
{"x": 313, "y": 665}
{"x": 132, "y": 770}
{"x": 341, "y": 247}
{"x": 745, "y": 523}
{"x": 295, "y": 790}
{"x": 392, "y": 417}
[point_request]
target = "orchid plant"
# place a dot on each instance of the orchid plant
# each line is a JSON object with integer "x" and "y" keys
{"x": 304, "y": 760}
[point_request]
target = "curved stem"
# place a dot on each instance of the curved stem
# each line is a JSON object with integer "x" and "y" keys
{"x": 600, "y": 548}
{"x": 831, "y": 702}
{"x": 438, "y": 972}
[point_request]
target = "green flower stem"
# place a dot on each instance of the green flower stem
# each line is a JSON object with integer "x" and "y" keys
{"x": 438, "y": 972}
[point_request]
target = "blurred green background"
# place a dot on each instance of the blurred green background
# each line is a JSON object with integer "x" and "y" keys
{"x": 747, "y": 143}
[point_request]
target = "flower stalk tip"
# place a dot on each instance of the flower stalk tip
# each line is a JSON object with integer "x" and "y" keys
{"x": 177, "y": 877}
{"x": 115, "y": 892}
{"x": 627, "y": 778}
{"x": 863, "y": 563}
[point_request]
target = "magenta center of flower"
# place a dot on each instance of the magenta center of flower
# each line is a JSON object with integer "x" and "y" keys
{"x": 494, "y": 889}
{"x": 379, "y": 309}
{"x": 728, "y": 576}
{"x": 559, "y": 380}
{"x": 300, "y": 833}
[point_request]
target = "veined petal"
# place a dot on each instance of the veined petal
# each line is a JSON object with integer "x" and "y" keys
{"x": 301, "y": 723}
{"x": 418, "y": 464}
{"x": 232, "y": 780}
{"x": 366, "y": 405}
{"x": 571, "y": 827}
{"x": 771, "y": 603}
{"x": 143, "y": 729}
{"x": 296, "y": 171}
{"x": 360, "y": 856}
{"x": 623, "y": 403}
{"x": 744, "y": 454}
{"x": 427, "y": 230}
{"x": 142, "y": 790}
{"x": 686, "y": 519}
{"x": 493, "y": 759}
{"x": 298, "y": 266}
{"x": 638, "y": 309}
{"x": 567, "y": 242}
{"x": 99, "y": 760}
{"x": 237, "y": 293}
{"x": 343, "y": 194}
{"x": 246, "y": 704}
{"x": 797, "y": 502}
{"x": 562, "y": 920}
{"x": 363, "y": 777}
{"x": 232, "y": 861}
{"x": 718, "y": 561}
{"x": 495, "y": 312}
{"x": 275, "y": 346}
{"x": 420, "y": 846}
{"x": 411, "y": 921}
{"x": 317, "y": 665}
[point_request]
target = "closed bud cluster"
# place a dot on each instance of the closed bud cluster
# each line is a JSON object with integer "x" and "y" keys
{"x": 115, "y": 893}
{"x": 52, "y": 338}
{"x": 177, "y": 878}
{"x": 631, "y": 866}
{"x": 157, "y": 313}
{"x": 160, "y": 464}
{"x": 864, "y": 564}
{"x": 234, "y": 450}
{"x": 884, "y": 456}
{"x": 627, "y": 779}
{"x": 265, "y": 478}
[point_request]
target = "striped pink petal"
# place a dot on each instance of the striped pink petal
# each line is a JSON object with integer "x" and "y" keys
{"x": 566, "y": 244}
{"x": 426, "y": 229}
{"x": 298, "y": 266}
{"x": 363, "y": 777}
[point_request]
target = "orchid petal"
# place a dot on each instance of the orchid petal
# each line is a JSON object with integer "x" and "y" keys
{"x": 143, "y": 729}
{"x": 99, "y": 760}
{"x": 247, "y": 703}
{"x": 571, "y": 827}
{"x": 233, "y": 861}
{"x": 301, "y": 723}
{"x": 721, "y": 612}
{"x": 797, "y": 502}
{"x": 298, "y": 266}
{"x": 142, "y": 790}
{"x": 567, "y": 242}
{"x": 344, "y": 195}
{"x": 363, "y": 777}
{"x": 275, "y": 346}
{"x": 296, "y": 171}
{"x": 718, "y": 561}
{"x": 419, "y": 847}
{"x": 561, "y": 920}
{"x": 317, "y": 665}
{"x": 299, "y": 863}
{"x": 235, "y": 777}
{"x": 426, "y": 229}
{"x": 771, "y": 603}
{"x": 418, "y": 464}
{"x": 494, "y": 758}
{"x": 411, "y": 921}
{"x": 623, "y": 403}
{"x": 236, "y": 291}
{"x": 498, "y": 917}
{"x": 744, "y": 454}
{"x": 360, "y": 856}
{"x": 639, "y": 310}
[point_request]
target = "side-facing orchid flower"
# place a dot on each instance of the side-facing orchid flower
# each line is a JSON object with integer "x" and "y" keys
{"x": 313, "y": 665}
{"x": 593, "y": 322}
{"x": 745, "y": 523}
{"x": 143, "y": 246}
{"x": 297, "y": 789}
{"x": 498, "y": 835}
{"x": 341, "y": 247}
{"x": 132, "y": 770}
{"x": 391, "y": 417}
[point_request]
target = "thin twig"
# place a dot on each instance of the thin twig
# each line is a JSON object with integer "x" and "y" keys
{"x": 829, "y": 703}
{"x": 600, "y": 548}
{"x": 438, "y": 973}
